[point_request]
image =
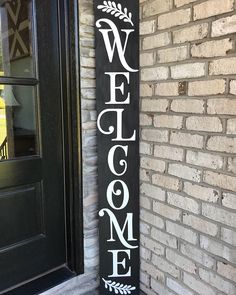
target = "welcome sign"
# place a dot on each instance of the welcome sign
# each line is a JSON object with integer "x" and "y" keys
{"x": 117, "y": 92}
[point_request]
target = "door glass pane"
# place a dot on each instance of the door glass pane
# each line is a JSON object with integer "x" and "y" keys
{"x": 18, "y": 136}
{"x": 16, "y": 38}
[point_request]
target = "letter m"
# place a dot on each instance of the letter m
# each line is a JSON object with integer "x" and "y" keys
{"x": 120, "y": 231}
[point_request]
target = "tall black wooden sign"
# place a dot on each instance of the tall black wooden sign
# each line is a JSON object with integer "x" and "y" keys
{"x": 117, "y": 82}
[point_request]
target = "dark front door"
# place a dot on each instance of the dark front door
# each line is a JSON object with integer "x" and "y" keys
{"x": 32, "y": 223}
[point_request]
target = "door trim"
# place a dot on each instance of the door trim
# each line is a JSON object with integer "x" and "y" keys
{"x": 43, "y": 283}
{"x": 69, "y": 43}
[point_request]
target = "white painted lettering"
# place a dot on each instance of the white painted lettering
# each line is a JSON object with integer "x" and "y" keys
{"x": 111, "y": 191}
{"x": 116, "y": 263}
{"x": 111, "y": 157}
{"x": 114, "y": 87}
{"x": 119, "y": 119}
{"x": 117, "y": 42}
{"x": 120, "y": 232}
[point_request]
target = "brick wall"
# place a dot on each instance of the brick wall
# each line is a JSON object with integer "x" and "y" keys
{"x": 188, "y": 147}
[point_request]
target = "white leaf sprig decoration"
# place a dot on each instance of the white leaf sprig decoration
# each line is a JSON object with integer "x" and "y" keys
{"x": 118, "y": 287}
{"x": 116, "y": 10}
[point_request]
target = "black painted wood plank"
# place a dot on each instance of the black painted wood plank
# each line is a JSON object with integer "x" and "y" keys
{"x": 117, "y": 94}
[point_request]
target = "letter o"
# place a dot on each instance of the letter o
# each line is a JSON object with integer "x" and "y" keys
{"x": 111, "y": 191}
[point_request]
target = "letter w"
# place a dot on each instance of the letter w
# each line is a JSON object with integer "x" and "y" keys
{"x": 117, "y": 42}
